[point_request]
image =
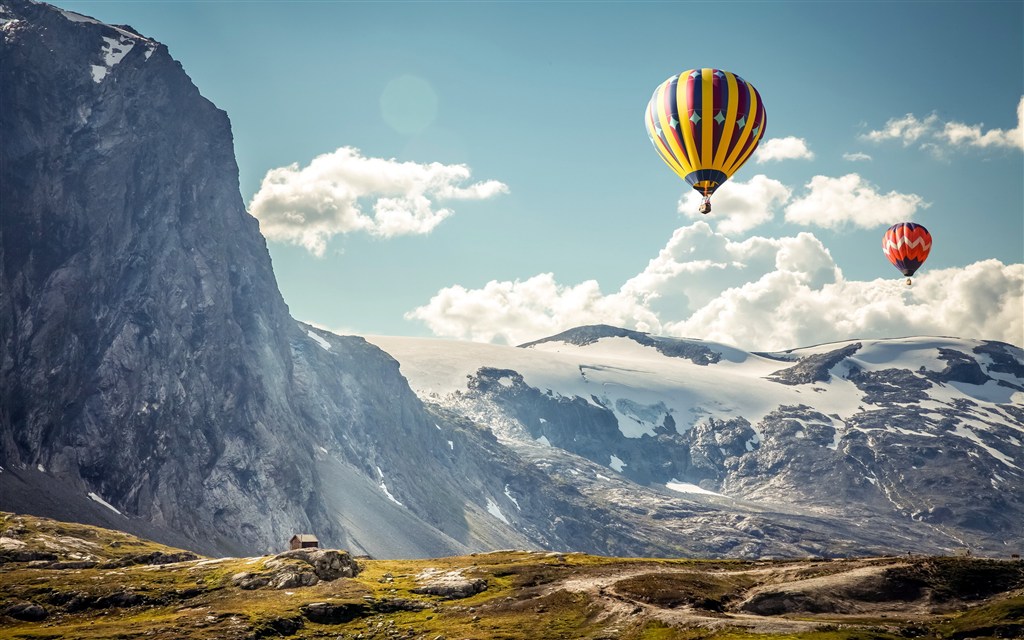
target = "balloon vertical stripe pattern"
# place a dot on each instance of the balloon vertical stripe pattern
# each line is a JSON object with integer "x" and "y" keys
{"x": 906, "y": 245}
{"x": 752, "y": 133}
{"x": 722, "y": 96}
{"x": 670, "y": 125}
{"x": 707, "y": 105}
{"x": 664, "y": 135}
{"x": 705, "y": 123}
{"x": 684, "y": 105}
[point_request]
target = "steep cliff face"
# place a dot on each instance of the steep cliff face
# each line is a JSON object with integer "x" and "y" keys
{"x": 148, "y": 357}
{"x": 145, "y": 348}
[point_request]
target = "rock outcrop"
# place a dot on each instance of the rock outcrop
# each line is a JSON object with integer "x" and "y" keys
{"x": 299, "y": 568}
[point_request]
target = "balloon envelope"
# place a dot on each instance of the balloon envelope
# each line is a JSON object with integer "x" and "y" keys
{"x": 907, "y": 244}
{"x": 705, "y": 123}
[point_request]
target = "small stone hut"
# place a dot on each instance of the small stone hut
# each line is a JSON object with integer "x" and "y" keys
{"x": 303, "y": 541}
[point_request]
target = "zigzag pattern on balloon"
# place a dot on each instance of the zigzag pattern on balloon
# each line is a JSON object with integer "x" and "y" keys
{"x": 910, "y": 243}
{"x": 906, "y": 245}
{"x": 916, "y": 248}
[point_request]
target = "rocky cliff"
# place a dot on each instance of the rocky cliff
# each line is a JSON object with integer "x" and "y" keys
{"x": 148, "y": 358}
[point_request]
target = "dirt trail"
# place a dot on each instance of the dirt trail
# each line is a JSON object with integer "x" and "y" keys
{"x": 622, "y": 610}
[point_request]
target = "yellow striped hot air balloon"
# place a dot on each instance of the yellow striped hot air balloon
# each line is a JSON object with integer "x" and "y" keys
{"x": 705, "y": 123}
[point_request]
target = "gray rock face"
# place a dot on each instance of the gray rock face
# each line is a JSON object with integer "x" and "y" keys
{"x": 152, "y": 378}
{"x": 815, "y": 368}
{"x": 144, "y": 338}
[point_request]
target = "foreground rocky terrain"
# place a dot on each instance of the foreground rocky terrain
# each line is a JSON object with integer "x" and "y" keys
{"x": 61, "y": 580}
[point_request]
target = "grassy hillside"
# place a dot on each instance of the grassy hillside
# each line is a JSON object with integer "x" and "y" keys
{"x": 60, "y": 580}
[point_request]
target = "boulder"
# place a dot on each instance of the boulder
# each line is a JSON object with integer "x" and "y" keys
{"x": 27, "y": 611}
{"x": 451, "y": 584}
{"x": 328, "y": 564}
{"x": 299, "y": 568}
{"x": 334, "y": 613}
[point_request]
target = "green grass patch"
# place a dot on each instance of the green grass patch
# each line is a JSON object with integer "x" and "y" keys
{"x": 962, "y": 578}
{"x": 708, "y": 591}
{"x": 1001, "y": 619}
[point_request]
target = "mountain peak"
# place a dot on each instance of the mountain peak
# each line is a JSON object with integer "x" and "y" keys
{"x": 696, "y": 351}
{"x": 589, "y": 334}
{"x": 99, "y": 48}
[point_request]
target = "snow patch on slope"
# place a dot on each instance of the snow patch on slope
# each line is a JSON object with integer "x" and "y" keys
{"x": 384, "y": 488}
{"x": 114, "y": 50}
{"x": 326, "y": 346}
{"x": 966, "y": 432}
{"x": 494, "y": 510}
{"x": 96, "y": 498}
{"x": 509, "y": 495}
{"x": 686, "y": 487}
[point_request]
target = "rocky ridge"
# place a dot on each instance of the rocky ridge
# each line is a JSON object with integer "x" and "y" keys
{"x": 866, "y": 431}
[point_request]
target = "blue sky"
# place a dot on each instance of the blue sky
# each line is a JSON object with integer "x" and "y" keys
{"x": 504, "y": 187}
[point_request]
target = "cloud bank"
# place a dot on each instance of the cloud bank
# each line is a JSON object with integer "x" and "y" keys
{"x": 829, "y": 203}
{"x": 758, "y": 293}
{"x": 345, "y": 192}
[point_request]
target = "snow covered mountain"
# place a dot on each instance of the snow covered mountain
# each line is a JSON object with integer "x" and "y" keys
{"x": 918, "y": 440}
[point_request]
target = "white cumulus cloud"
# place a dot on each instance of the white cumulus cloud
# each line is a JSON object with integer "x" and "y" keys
{"x": 932, "y": 132}
{"x": 345, "y": 192}
{"x": 907, "y": 129}
{"x": 520, "y": 311}
{"x": 856, "y": 156}
{"x": 971, "y": 134}
{"x": 788, "y": 148}
{"x": 759, "y": 294}
{"x": 850, "y": 200}
{"x": 739, "y": 206}
{"x": 698, "y": 264}
{"x": 779, "y": 310}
